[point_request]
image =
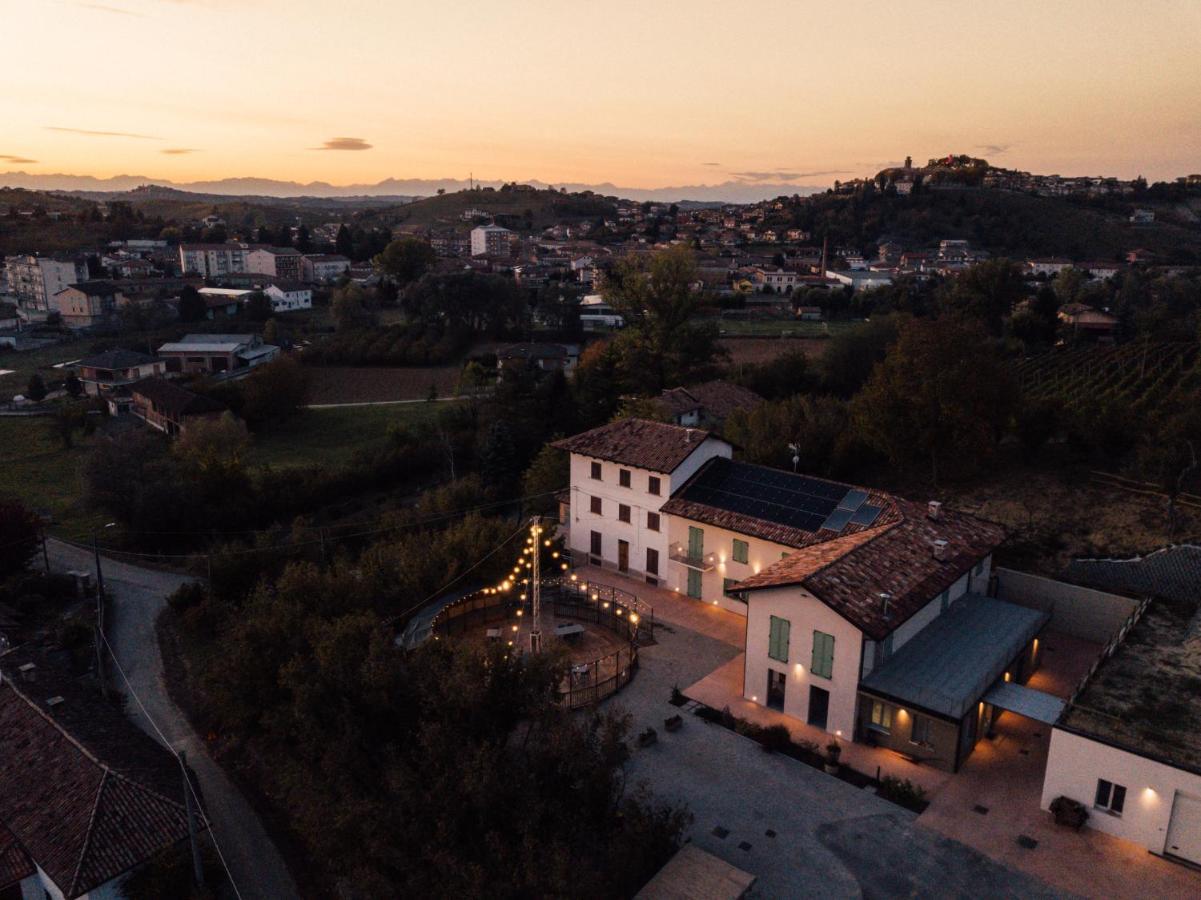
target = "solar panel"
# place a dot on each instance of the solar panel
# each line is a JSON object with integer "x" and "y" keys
{"x": 865, "y": 515}
{"x": 838, "y": 519}
{"x": 853, "y": 500}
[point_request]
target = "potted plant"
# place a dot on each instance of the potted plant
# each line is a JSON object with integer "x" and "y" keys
{"x": 673, "y": 723}
{"x": 833, "y": 752}
{"x": 1069, "y": 812}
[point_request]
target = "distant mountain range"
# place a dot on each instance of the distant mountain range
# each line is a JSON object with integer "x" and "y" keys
{"x": 400, "y": 188}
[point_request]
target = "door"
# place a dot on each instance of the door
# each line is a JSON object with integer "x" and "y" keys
{"x": 775, "y": 689}
{"x": 694, "y": 584}
{"x": 623, "y": 556}
{"x": 1184, "y": 831}
{"x": 819, "y": 706}
{"x": 696, "y": 542}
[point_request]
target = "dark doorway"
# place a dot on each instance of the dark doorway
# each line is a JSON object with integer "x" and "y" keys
{"x": 819, "y": 706}
{"x": 623, "y": 556}
{"x": 775, "y": 689}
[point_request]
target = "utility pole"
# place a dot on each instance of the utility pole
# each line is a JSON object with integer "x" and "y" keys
{"x": 189, "y": 804}
{"x": 536, "y": 589}
{"x": 45, "y": 555}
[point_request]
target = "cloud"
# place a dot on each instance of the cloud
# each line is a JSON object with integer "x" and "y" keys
{"x": 100, "y": 7}
{"x": 711, "y": 164}
{"x": 9, "y": 158}
{"x": 179, "y": 151}
{"x": 344, "y": 143}
{"x": 781, "y": 175}
{"x": 90, "y": 133}
{"x": 994, "y": 149}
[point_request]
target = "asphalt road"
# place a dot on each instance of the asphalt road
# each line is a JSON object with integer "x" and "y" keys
{"x": 136, "y": 596}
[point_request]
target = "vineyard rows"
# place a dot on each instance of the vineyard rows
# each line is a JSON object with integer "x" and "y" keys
{"x": 1147, "y": 376}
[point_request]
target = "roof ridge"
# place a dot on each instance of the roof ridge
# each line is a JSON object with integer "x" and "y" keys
{"x": 87, "y": 840}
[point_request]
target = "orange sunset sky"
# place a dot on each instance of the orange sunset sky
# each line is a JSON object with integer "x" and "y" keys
{"x": 641, "y": 94}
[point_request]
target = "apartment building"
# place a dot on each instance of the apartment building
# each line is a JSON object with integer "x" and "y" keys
{"x": 278, "y": 262}
{"x": 323, "y": 268}
{"x": 212, "y": 260}
{"x": 491, "y": 240}
{"x": 34, "y": 280}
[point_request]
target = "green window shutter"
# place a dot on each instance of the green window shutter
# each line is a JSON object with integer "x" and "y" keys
{"x": 823, "y": 654}
{"x": 777, "y": 639}
{"x": 741, "y": 551}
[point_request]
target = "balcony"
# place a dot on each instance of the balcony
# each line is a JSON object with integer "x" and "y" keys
{"x": 679, "y": 553}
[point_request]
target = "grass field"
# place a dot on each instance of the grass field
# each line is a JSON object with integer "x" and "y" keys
{"x": 36, "y": 469}
{"x": 360, "y": 384}
{"x": 331, "y": 437}
{"x": 794, "y": 328}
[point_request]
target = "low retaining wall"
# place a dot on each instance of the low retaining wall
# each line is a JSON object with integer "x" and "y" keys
{"x": 1082, "y": 612}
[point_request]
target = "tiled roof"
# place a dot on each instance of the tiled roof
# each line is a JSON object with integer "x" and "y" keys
{"x": 15, "y": 863}
{"x": 637, "y": 442}
{"x": 174, "y": 400}
{"x": 116, "y": 359}
{"x": 896, "y": 557}
{"x": 86, "y": 793}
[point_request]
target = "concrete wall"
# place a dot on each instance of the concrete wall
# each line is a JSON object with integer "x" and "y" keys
{"x": 1074, "y": 764}
{"x": 720, "y": 543}
{"x": 806, "y": 614}
{"x": 939, "y": 752}
{"x": 1079, "y": 611}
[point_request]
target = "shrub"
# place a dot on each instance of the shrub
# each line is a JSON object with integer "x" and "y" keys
{"x": 775, "y": 738}
{"x": 903, "y": 793}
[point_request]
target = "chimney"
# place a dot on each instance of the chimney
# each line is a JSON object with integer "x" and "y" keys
{"x": 934, "y": 510}
{"x": 885, "y": 600}
{"x": 55, "y": 701}
{"x": 690, "y": 433}
{"x": 940, "y": 550}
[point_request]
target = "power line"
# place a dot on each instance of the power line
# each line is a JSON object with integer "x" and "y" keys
{"x": 167, "y": 744}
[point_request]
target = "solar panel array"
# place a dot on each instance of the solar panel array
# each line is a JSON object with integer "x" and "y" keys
{"x": 779, "y": 497}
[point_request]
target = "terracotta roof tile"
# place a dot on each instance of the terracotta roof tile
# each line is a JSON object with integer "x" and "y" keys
{"x": 15, "y": 863}
{"x": 655, "y": 446}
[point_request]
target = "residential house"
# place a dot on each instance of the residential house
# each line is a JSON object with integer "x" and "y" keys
{"x": 88, "y": 304}
{"x": 212, "y": 260}
{"x": 113, "y": 369}
{"x": 169, "y": 407}
{"x": 1101, "y": 270}
{"x": 491, "y": 240}
{"x": 323, "y": 268}
{"x": 289, "y": 296}
{"x": 780, "y": 281}
{"x": 35, "y": 280}
{"x": 1084, "y": 319}
{"x": 1128, "y": 745}
{"x": 1142, "y": 217}
{"x": 216, "y": 353}
{"x": 621, "y": 475}
{"x": 706, "y": 405}
{"x": 86, "y": 797}
{"x": 858, "y": 280}
{"x": 809, "y": 313}
{"x": 544, "y": 357}
{"x": 277, "y": 262}
{"x": 1049, "y": 266}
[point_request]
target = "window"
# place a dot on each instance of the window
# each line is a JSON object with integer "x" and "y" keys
{"x": 652, "y": 521}
{"x": 726, "y": 584}
{"x": 921, "y": 731}
{"x": 653, "y": 485}
{"x": 823, "y": 655}
{"x": 596, "y": 506}
{"x": 623, "y": 477}
{"x": 777, "y": 639}
{"x": 1110, "y": 797}
{"x": 741, "y": 551}
{"x": 623, "y": 512}
{"x": 652, "y": 561}
{"x": 596, "y": 471}
{"x": 596, "y": 544}
{"x": 881, "y": 717}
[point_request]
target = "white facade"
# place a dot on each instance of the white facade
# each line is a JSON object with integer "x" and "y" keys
{"x": 324, "y": 269}
{"x": 805, "y": 615}
{"x": 636, "y": 534}
{"x": 491, "y": 240}
{"x": 289, "y": 298}
{"x": 1162, "y": 808}
{"x": 718, "y": 559}
{"x": 34, "y": 280}
{"x": 211, "y": 260}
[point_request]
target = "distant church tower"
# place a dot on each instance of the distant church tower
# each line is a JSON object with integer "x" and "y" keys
{"x": 908, "y": 162}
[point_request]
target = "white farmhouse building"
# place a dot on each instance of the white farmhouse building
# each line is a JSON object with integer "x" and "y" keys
{"x": 621, "y": 475}
{"x": 288, "y": 296}
{"x": 867, "y": 615}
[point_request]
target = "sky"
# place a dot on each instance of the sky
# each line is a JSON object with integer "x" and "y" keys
{"x": 639, "y": 93}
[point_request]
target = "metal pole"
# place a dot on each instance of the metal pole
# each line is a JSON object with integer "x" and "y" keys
{"x": 536, "y": 590}
{"x": 99, "y": 611}
{"x": 197, "y": 868}
{"x": 45, "y": 555}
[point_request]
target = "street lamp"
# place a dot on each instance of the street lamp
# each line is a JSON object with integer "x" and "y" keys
{"x": 99, "y": 604}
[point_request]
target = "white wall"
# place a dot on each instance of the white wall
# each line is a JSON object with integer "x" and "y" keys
{"x": 720, "y": 543}
{"x": 805, "y": 614}
{"x": 1079, "y": 611}
{"x": 1074, "y": 764}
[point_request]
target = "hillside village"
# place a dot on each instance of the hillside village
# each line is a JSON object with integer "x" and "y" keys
{"x": 429, "y": 527}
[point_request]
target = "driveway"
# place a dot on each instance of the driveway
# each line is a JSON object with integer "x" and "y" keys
{"x": 800, "y": 831}
{"x": 136, "y": 596}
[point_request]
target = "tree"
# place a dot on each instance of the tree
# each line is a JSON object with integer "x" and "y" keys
{"x": 69, "y": 418}
{"x": 548, "y": 473}
{"x": 20, "y": 536}
{"x": 73, "y": 385}
{"x": 352, "y": 308}
{"x": 851, "y": 355}
{"x": 35, "y": 390}
{"x": 817, "y": 426}
{"x": 986, "y": 292}
{"x": 213, "y": 445}
{"x": 192, "y": 307}
{"x": 498, "y": 456}
{"x": 405, "y": 260}
{"x": 344, "y": 242}
{"x": 257, "y": 308}
{"x": 304, "y": 242}
{"x": 942, "y": 395}
{"x": 275, "y": 392}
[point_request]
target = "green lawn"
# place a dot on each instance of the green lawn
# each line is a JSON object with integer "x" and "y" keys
{"x": 780, "y": 328}
{"x": 36, "y": 469}
{"x": 331, "y": 437}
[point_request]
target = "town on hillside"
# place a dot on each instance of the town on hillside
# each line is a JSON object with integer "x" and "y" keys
{"x": 526, "y": 542}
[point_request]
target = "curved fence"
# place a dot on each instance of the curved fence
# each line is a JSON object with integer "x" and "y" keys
{"x": 613, "y": 609}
